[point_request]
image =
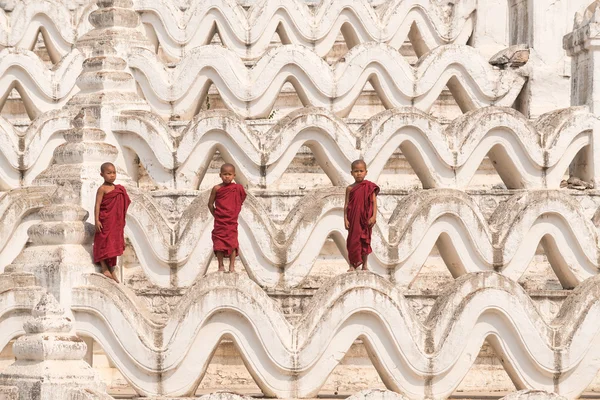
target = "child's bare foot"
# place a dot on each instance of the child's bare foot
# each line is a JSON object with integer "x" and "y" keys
{"x": 219, "y": 255}
{"x": 114, "y": 274}
{"x": 232, "y": 261}
{"x": 105, "y": 270}
{"x": 364, "y": 262}
{"x": 351, "y": 269}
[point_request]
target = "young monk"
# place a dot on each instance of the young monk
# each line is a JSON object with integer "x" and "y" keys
{"x": 112, "y": 202}
{"x": 360, "y": 213}
{"x": 225, "y": 204}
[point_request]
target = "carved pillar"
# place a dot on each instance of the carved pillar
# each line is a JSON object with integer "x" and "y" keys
{"x": 49, "y": 357}
{"x": 60, "y": 249}
{"x": 77, "y": 162}
{"x": 583, "y": 46}
{"x": 117, "y": 25}
{"x": 59, "y": 252}
{"x": 107, "y": 86}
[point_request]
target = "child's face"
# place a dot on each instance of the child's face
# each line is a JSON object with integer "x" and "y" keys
{"x": 227, "y": 175}
{"x": 359, "y": 172}
{"x": 109, "y": 174}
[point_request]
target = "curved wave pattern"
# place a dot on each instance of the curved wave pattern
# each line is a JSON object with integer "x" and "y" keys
{"x": 486, "y": 256}
{"x": 251, "y": 93}
{"x": 28, "y": 18}
{"x": 249, "y": 33}
{"x": 18, "y": 296}
{"x": 25, "y": 154}
{"x": 415, "y": 359}
{"x": 282, "y": 255}
{"x": 526, "y": 155}
{"x": 41, "y": 89}
{"x": 16, "y": 216}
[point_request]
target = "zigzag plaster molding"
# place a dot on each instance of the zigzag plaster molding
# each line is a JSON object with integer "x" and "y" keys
{"x": 417, "y": 360}
{"x": 525, "y": 155}
{"x": 41, "y": 89}
{"x": 283, "y": 255}
{"x": 18, "y": 296}
{"x": 507, "y": 243}
{"x": 17, "y": 214}
{"x": 28, "y": 18}
{"x": 249, "y": 33}
{"x": 450, "y": 218}
{"x": 16, "y": 205}
{"x": 486, "y": 256}
{"x": 251, "y": 93}
{"x": 20, "y": 167}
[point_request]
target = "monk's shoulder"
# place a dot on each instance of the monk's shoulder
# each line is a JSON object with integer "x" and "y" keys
{"x": 349, "y": 188}
{"x": 103, "y": 189}
{"x": 374, "y": 187}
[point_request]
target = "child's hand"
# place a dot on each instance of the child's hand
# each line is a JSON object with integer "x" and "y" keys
{"x": 372, "y": 221}
{"x": 346, "y": 223}
{"x": 98, "y": 226}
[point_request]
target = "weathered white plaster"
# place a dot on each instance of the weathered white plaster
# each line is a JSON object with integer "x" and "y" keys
{"x": 49, "y": 357}
{"x": 525, "y": 154}
{"x": 251, "y": 93}
{"x": 478, "y": 306}
{"x": 249, "y": 33}
{"x": 489, "y": 170}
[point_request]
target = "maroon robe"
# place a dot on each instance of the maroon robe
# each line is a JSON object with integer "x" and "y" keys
{"x": 228, "y": 204}
{"x": 360, "y": 209}
{"x": 110, "y": 242}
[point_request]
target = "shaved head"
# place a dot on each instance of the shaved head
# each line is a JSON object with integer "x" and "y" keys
{"x": 357, "y": 163}
{"x": 105, "y": 166}
{"x": 227, "y": 166}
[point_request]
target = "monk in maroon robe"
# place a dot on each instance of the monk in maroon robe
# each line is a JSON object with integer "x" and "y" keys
{"x": 112, "y": 202}
{"x": 225, "y": 204}
{"x": 360, "y": 213}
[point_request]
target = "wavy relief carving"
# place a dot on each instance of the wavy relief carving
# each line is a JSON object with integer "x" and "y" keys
{"x": 284, "y": 254}
{"x": 251, "y": 93}
{"x": 248, "y": 33}
{"x": 526, "y": 155}
{"x": 287, "y": 360}
{"x": 41, "y": 89}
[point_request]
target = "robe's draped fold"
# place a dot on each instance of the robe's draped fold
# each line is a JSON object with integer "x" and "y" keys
{"x": 110, "y": 242}
{"x": 228, "y": 204}
{"x": 360, "y": 209}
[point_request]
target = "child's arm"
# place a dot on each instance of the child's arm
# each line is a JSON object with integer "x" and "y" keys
{"x": 211, "y": 200}
{"x": 99, "y": 197}
{"x": 346, "y": 222}
{"x": 373, "y": 218}
{"x": 243, "y": 194}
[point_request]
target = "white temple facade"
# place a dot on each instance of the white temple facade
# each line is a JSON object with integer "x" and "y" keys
{"x": 478, "y": 119}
